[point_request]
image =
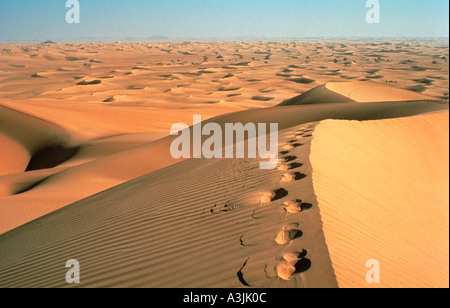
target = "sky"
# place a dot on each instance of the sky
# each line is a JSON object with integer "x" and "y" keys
{"x": 39, "y": 20}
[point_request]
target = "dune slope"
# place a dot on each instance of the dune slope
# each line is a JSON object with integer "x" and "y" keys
{"x": 382, "y": 189}
{"x": 165, "y": 229}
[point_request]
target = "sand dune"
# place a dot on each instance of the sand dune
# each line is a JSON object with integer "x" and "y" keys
{"x": 363, "y": 92}
{"x": 386, "y": 203}
{"x": 86, "y": 172}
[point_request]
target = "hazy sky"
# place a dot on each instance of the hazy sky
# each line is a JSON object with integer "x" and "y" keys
{"x": 28, "y": 20}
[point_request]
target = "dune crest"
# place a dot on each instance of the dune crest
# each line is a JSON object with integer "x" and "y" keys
{"x": 373, "y": 92}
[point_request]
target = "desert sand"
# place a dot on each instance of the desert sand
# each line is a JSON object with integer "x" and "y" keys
{"x": 86, "y": 172}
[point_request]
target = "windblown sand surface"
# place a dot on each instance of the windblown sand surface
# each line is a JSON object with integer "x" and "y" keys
{"x": 86, "y": 172}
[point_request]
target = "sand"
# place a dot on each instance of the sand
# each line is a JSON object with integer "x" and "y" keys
{"x": 86, "y": 171}
{"x": 388, "y": 209}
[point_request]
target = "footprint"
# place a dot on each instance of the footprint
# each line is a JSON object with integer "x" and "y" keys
{"x": 285, "y": 269}
{"x": 293, "y": 263}
{"x": 289, "y": 158}
{"x": 295, "y": 165}
{"x": 287, "y": 178}
{"x": 291, "y": 177}
{"x": 289, "y": 233}
{"x": 299, "y": 176}
{"x": 297, "y": 206}
{"x": 296, "y": 145}
{"x": 283, "y": 167}
{"x": 292, "y": 207}
{"x": 302, "y": 265}
{"x": 277, "y": 194}
{"x": 266, "y": 198}
{"x": 284, "y": 152}
{"x": 293, "y": 257}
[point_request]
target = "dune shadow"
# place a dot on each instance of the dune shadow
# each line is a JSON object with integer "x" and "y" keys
{"x": 50, "y": 157}
{"x": 30, "y": 187}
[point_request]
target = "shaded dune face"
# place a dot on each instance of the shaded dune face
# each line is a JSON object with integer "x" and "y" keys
{"x": 49, "y": 157}
{"x": 44, "y": 142}
{"x": 319, "y": 95}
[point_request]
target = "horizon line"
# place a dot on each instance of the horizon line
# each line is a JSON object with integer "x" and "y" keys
{"x": 161, "y": 38}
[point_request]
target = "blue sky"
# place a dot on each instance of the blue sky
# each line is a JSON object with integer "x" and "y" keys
{"x": 29, "y": 20}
